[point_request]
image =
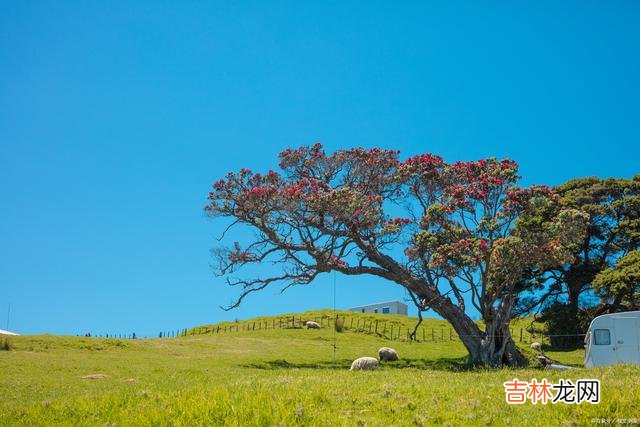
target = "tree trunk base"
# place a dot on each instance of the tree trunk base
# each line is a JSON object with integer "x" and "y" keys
{"x": 495, "y": 350}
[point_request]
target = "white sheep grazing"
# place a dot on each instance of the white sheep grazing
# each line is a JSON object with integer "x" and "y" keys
{"x": 312, "y": 325}
{"x": 536, "y": 346}
{"x": 364, "y": 364}
{"x": 387, "y": 354}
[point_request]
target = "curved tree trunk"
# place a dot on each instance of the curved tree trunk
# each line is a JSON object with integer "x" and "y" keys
{"x": 497, "y": 348}
{"x": 492, "y": 347}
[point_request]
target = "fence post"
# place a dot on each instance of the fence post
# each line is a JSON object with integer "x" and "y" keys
{"x": 376, "y": 331}
{"x": 442, "y": 334}
{"x": 450, "y": 335}
{"x": 520, "y": 334}
{"x": 392, "y": 331}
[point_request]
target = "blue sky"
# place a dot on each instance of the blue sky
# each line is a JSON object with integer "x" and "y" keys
{"x": 115, "y": 118}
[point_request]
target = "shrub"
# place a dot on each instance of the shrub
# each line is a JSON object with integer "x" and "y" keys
{"x": 566, "y": 325}
{"x": 5, "y": 344}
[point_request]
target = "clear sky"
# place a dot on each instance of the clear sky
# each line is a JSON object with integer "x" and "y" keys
{"x": 116, "y": 117}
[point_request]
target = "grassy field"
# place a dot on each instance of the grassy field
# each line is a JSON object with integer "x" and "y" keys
{"x": 281, "y": 377}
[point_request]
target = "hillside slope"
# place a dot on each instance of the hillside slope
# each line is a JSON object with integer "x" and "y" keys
{"x": 393, "y": 329}
{"x": 272, "y": 376}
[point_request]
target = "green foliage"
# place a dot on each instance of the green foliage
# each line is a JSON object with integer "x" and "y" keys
{"x": 613, "y": 206}
{"x": 567, "y": 325}
{"x": 613, "y": 209}
{"x": 622, "y": 282}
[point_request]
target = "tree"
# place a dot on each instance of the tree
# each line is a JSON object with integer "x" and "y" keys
{"x": 457, "y": 229}
{"x": 613, "y": 206}
{"x": 620, "y": 285}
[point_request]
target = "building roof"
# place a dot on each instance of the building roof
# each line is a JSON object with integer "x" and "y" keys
{"x": 380, "y": 303}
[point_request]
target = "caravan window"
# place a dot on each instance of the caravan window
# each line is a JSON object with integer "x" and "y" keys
{"x": 385, "y": 310}
{"x": 601, "y": 337}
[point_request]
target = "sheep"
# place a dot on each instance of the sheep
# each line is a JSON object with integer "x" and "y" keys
{"x": 536, "y": 346}
{"x": 387, "y": 354}
{"x": 364, "y": 364}
{"x": 312, "y": 325}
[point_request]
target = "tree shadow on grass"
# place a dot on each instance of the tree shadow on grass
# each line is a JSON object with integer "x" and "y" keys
{"x": 283, "y": 364}
{"x": 558, "y": 354}
{"x": 547, "y": 347}
{"x": 455, "y": 364}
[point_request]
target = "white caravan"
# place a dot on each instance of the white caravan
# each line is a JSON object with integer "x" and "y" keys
{"x": 613, "y": 338}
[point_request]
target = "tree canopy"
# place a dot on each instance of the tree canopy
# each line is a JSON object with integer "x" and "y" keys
{"x": 565, "y": 293}
{"x": 621, "y": 284}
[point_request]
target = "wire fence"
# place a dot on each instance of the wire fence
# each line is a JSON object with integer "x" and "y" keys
{"x": 387, "y": 330}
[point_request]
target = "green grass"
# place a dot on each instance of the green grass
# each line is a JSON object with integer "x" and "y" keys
{"x": 281, "y": 376}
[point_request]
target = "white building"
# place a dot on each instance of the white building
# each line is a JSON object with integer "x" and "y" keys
{"x": 3, "y": 332}
{"x": 390, "y": 307}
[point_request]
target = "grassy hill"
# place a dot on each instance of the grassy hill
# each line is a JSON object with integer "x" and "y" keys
{"x": 289, "y": 376}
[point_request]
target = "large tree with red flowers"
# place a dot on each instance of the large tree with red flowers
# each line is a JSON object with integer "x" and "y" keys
{"x": 450, "y": 234}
